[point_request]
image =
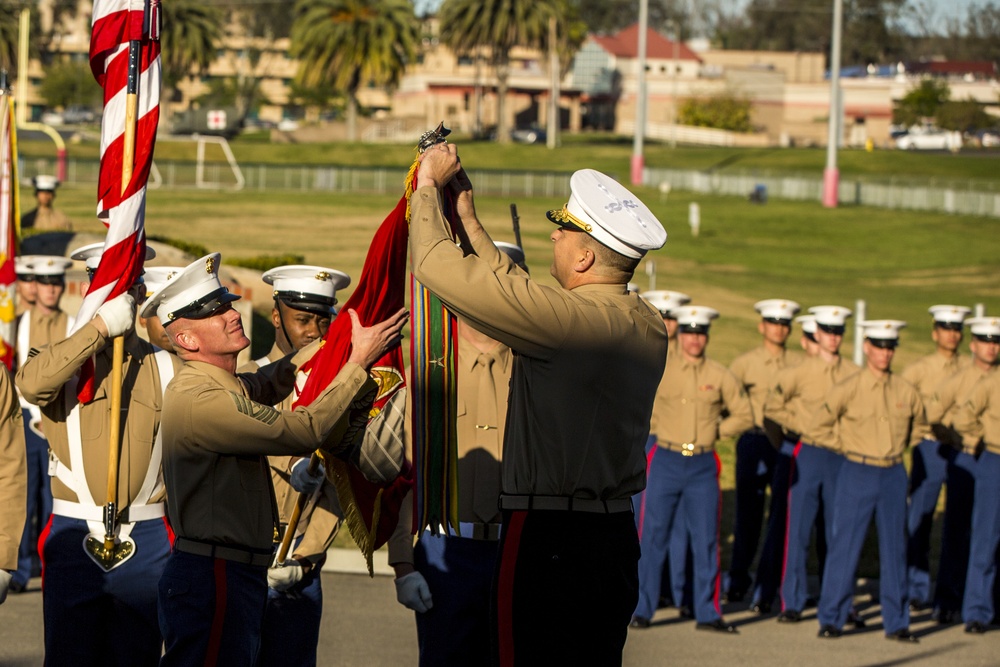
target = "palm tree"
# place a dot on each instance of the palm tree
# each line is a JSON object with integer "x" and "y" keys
{"x": 9, "y": 17}
{"x": 496, "y": 26}
{"x": 191, "y": 34}
{"x": 351, "y": 43}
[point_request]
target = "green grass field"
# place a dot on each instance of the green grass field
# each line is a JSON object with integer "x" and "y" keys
{"x": 898, "y": 262}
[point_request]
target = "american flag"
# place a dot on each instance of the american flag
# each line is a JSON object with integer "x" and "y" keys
{"x": 9, "y": 225}
{"x": 123, "y": 31}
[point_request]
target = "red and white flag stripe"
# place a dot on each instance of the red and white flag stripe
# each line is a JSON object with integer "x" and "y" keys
{"x": 116, "y": 23}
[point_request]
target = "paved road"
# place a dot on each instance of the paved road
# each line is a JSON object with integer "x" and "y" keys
{"x": 364, "y": 626}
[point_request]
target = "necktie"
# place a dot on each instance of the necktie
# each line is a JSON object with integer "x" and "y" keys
{"x": 487, "y": 478}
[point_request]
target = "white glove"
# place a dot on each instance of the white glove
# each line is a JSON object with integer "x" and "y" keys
{"x": 284, "y": 576}
{"x": 118, "y": 314}
{"x": 302, "y": 481}
{"x": 412, "y": 592}
{"x": 5, "y": 578}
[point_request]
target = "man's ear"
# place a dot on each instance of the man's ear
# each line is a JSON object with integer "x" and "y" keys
{"x": 184, "y": 339}
{"x": 584, "y": 260}
{"x": 275, "y": 316}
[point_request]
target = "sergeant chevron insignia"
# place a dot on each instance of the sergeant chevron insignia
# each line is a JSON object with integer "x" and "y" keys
{"x": 260, "y": 412}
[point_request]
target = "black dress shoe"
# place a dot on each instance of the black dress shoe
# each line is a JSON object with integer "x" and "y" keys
{"x": 639, "y": 622}
{"x": 976, "y": 628}
{"x": 761, "y": 608}
{"x": 829, "y": 632}
{"x": 17, "y": 587}
{"x": 718, "y": 625}
{"x": 903, "y": 635}
{"x": 685, "y": 612}
{"x": 945, "y": 616}
{"x": 917, "y": 605}
{"x": 790, "y": 616}
{"x": 854, "y": 618}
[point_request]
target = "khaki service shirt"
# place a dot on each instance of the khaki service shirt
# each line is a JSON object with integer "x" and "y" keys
{"x": 43, "y": 381}
{"x": 480, "y": 439}
{"x": 978, "y": 417}
{"x": 870, "y": 416}
{"x": 928, "y": 373}
{"x": 798, "y": 391}
{"x": 319, "y": 522}
{"x": 692, "y": 402}
{"x": 13, "y": 473}
{"x": 587, "y": 362}
{"x": 948, "y": 397}
{"x": 216, "y": 440}
{"x": 756, "y": 371}
{"x": 46, "y": 220}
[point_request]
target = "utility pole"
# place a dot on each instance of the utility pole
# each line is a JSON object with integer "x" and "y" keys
{"x": 675, "y": 65}
{"x": 552, "y": 138}
{"x": 831, "y": 175}
{"x": 638, "y": 161}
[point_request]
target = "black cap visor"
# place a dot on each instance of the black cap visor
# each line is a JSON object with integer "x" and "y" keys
{"x": 987, "y": 338}
{"x": 205, "y": 306}
{"x": 837, "y": 329}
{"x": 884, "y": 343}
{"x": 950, "y": 326}
{"x": 51, "y": 280}
{"x": 778, "y": 320}
{"x": 311, "y": 303}
{"x": 693, "y": 328}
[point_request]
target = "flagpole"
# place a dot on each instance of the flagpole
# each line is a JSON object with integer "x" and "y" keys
{"x": 293, "y": 521}
{"x": 118, "y": 354}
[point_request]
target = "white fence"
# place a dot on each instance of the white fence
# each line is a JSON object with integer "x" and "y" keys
{"x": 981, "y": 198}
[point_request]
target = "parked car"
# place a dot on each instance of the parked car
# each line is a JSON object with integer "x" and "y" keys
{"x": 929, "y": 140}
{"x": 528, "y": 135}
{"x": 52, "y": 118}
{"x": 989, "y": 138}
{"x": 75, "y": 115}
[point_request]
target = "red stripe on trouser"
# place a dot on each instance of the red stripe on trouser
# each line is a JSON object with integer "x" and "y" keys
{"x": 219, "y": 618}
{"x": 505, "y": 586}
{"x": 788, "y": 522}
{"x": 716, "y": 597}
{"x": 41, "y": 546}
{"x": 642, "y": 505}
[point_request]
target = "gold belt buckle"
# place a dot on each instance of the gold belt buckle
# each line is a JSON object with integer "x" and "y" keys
{"x": 688, "y": 448}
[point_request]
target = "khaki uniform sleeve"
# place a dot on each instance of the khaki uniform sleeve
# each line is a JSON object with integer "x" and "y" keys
{"x": 506, "y": 304}
{"x": 241, "y": 426}
{"x": 42, "y": 377}
{"x": 779, "y": 395}
{"x": 401, "y": 541}
{"x": 823, "y": 429}
{"x": 921, "y": 428}
{"x": 740, "y": 417}
{"x": 968, "y": 416}
{"x": 13, "y": 473}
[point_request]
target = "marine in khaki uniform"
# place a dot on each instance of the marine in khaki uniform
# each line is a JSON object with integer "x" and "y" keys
{"x": 588, "y": 356}
{"x": 768, "y": 577}
{"x": 674, "y": 588}
{"x": 688, "y": 418}
{"x": 98, "y": 611}
{"x": 755, "y": 456}
{"x": 218, "y": 431}
{"x": 45, "y": 323}
{"x": 13, "y": 486}
{"x": 304, "y": 298}
{"x": 871, "y": 417}
{"x": 977, "y": 420}
{"x": 931, "y": 458}
{"x": 941, "y": 409}
{"x": 26, "y": 290}
{"x": 45, "y": 217}
{"x": 789, "y": 408}
{"x": 446, "y": 577}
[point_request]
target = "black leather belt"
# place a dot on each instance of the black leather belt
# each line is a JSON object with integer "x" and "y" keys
{"x": 565, "y": 504}
{"x": 233, "y": 553}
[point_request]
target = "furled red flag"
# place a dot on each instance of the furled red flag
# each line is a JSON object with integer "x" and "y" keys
{"x": 125, "y": 60}
{"x": 10, "y": 222}
{"x": 371, "y": 509}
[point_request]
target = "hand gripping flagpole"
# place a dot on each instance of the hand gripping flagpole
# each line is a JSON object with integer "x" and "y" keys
{"x": 293, "y": 521}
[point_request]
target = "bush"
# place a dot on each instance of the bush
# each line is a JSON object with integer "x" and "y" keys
{"x": 722, "y": 112}
{"x": 266, "y": 262}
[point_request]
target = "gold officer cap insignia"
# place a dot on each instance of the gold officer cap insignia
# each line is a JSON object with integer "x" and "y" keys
{"x": 210, "y": 265}
{"x": 322, "y": 275}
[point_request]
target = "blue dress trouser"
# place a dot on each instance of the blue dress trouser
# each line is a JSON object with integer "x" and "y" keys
{"x": 99, "y": 618}
{"x": 956, "y": 530}
{"x": 289, "y": 635}
{"x": 978, "y": 602}
{"x": 39, "y": 505}
{"x": 812, "y": 485}
{"x": 459, "y": 573}
{"x": 755, "y": 461}
{"x": 211, "y": 611}
{"x": 673, "y": 478}
{"x": 772, "y": 553}
{"x": 863, "y": 491}
{"x": 928, "y": 472}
